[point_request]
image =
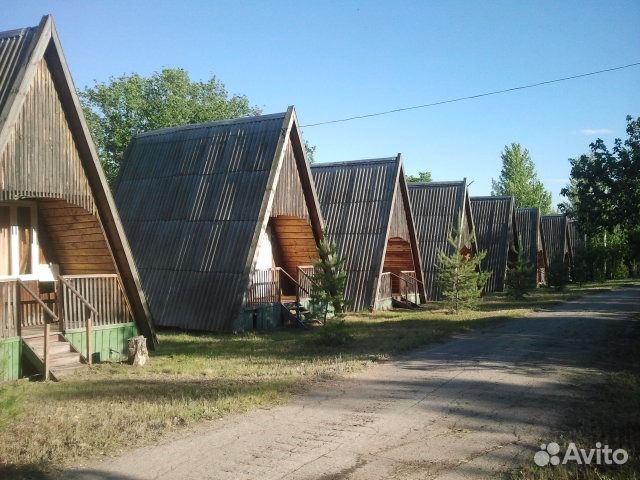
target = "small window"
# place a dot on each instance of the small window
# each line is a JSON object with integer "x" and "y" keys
{"x": 19, "y": 253}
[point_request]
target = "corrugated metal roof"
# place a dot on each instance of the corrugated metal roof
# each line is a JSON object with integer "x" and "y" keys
{"x": 438, "y": 210}
{"x": 493, "y": 217}
{"x": 14, "y": 51}
{"x": 356, "y": 198}
{"x": 530, "y": 233}
{"x": 190, "y": 200}
{"x": 576, "y": 238}
{"x": 556, "y": 237}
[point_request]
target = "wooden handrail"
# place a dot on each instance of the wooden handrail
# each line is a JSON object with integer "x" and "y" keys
{"x": 79, "y": 295}
{"x": 295, "y": 282}
{"x": 311, "y": 280}
{"x": 47, "y": 310}
{"x": 53, "y": 316}
{"x": 89, "y": 323}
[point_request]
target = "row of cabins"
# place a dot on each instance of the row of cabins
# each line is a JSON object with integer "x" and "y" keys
{"x": 211, "y": 227}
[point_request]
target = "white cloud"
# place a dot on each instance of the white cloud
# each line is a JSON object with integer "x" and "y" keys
{"x": 596, "y": 131}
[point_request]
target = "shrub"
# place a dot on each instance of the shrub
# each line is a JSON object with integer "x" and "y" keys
{"x": 334, "y": 334}
{"x": 520, "y": 278}
{"x": 558, "y": 275}
{"x": 620, "y": 271}
{"x": 329, "y": 280}
{"x": 460, "y": 278}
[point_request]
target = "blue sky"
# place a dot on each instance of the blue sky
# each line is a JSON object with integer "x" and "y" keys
{"x": 337, "y": 59}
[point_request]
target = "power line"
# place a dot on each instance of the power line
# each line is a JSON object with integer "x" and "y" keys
{"x": 471, "y": 97}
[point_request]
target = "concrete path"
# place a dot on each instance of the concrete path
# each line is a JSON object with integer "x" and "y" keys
{"x": 467, "y": 408}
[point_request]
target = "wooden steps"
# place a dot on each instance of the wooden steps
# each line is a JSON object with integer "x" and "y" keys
{"x": 64, "y": 359}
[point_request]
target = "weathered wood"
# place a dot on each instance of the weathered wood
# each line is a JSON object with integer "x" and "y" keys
{"x": 47, "y": 331}
{"x": 89, "y": 334}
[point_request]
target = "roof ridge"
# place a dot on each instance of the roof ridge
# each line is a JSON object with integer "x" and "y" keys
{"x": 16, "y": 32}
{"x": 490, "y": 197}
{"x": 356, "y": 162}
{"x": 213, "y": 123}
{"x": 435, "y": 184}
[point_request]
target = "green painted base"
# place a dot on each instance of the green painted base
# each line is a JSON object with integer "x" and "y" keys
{"x": 262, "y": 317}
{"x": 110, "y": 342}
{"x": 10, "y": 358}
{"x": 384, "y": 304}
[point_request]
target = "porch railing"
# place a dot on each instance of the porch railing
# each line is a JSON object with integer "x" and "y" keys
{"x": 384, "y": 287}
{"x": 20, "y": 310}
{"x": 266, "y": 286}
{"x": 305, "y": 279}
{"x": 103, "y": 291}
{"x": 409, "y": 284}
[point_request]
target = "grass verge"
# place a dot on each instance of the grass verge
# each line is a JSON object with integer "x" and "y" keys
{"x": 194, "y": 378}
{"x": 609, "y": 415}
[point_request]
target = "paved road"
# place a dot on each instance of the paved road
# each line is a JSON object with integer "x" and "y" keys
{"x": 467, "y": 408}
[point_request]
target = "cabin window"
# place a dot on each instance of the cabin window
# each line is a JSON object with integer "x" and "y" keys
{"x": 19, "y": 251}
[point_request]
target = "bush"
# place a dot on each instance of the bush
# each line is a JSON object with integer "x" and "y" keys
{"x": 620, "y": 271}
{"x": 520, "y": 278}
{"x": 460, "y": 278}
{"x": 558, "y": 276}
{"x": 334, "y": 334}
{"x": 328, "y": 282}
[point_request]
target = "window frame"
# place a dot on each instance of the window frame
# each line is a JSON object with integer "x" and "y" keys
{"x": 14, "y": 242}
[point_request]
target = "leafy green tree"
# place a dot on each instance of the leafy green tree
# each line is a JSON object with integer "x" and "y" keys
{"x": 459, "y": 277}
{"x": 604, "y": 188}
{"x": 310, "y": 151}
{"x": 329, "y": 280}
{"x": 421, "y": 177}
{"x": 123, "y": 106}
{"x": 520, "y": 278}
{"x": 518, "y": 177}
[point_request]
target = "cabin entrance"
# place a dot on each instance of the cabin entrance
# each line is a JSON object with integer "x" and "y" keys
{"x": 283, "y": 266}
{"x": 399, "y": 280}
{"x": 57, "y": 279}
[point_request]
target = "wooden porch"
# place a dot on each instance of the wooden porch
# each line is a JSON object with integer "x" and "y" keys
{"x": 42, "y": 312}
{"x": 402, "y": 288}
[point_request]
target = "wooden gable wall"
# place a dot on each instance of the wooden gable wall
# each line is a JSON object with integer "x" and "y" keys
{"x": 41, "y": 161}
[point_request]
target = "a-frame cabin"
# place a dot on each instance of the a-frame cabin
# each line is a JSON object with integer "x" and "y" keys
{"x": 441, "y": 209}
{"x": 495, "y": 221}
{"x": 532, "y": 241}
{"x": 366, "y": 206}
{"x": 223, "y": 221}
{"x": 65, "y": 264}
{"x": 557, "y": 240}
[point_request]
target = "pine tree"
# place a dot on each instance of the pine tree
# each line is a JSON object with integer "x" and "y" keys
{"x": 459, "y": 277}
{"x": 329, "y": 280}
{"x": 520, "y": 277}
{"x": 518, "y": 178}
{"x": 557, "y": 275}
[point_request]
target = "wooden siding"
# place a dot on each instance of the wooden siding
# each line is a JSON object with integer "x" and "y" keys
{"x": 296, "y": 242}
{"x": 41, "y": 158}
{"x": 10, "y": 358}
{"x": 398, "y": 225}
{"x": 75, "y": 238}
{"x": 289, "y": 197}
{"x": 493, "y": 217}
{"x": 439, "y": 210}
{"x": 9, "y": 309}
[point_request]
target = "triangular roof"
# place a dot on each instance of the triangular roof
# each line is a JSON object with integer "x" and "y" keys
{"x": 494, "y": 219}
{"x": 576, "y": 238}
{"x": 359, "y": 199}
{"x": 555, "y": 229}
{"x": 530, "y": 234}
{"x": 194, "y": 201}
{"x": 440, "y": 209}
{"x": 26, "y": 56}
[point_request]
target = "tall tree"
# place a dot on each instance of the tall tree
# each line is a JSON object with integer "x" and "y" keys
{"x": 421, "y": 177}
{"x": 519, "y": 178}
{"x": 123, "y": 106}
{"x": 604, "y": 186}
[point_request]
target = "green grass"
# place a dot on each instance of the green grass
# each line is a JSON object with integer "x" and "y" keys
{"x": 194, "y": 378}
